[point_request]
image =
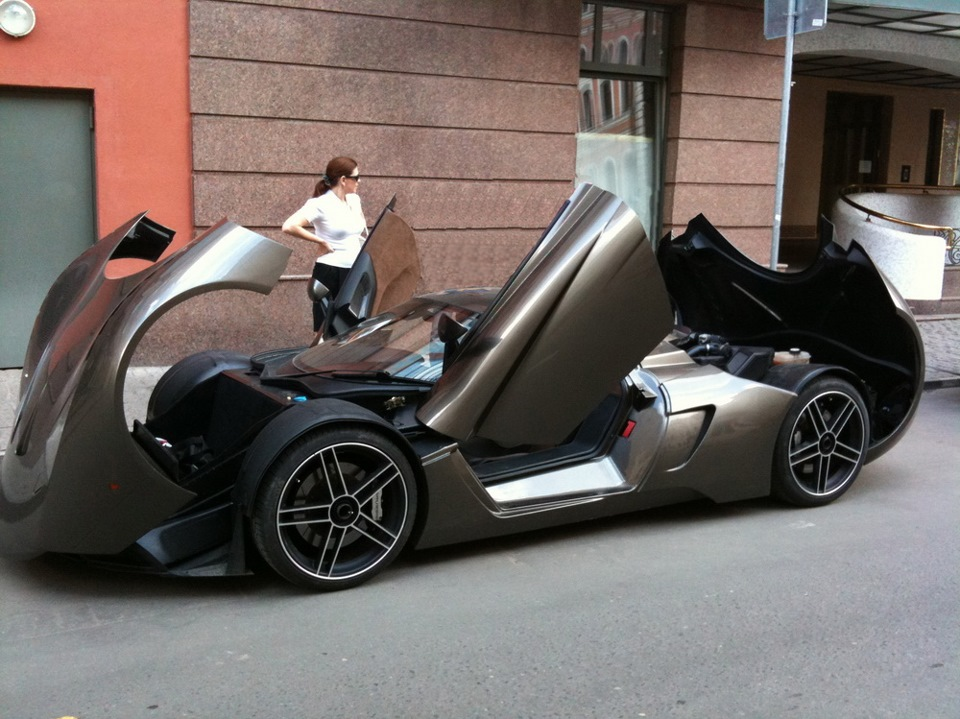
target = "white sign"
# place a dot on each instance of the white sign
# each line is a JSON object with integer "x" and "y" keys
{"x": 809, "y": 14}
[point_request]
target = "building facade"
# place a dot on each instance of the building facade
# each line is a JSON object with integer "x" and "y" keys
{"x": 480, "y": 117}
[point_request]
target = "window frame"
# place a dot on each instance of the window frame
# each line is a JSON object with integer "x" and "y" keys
{"x": 639, "y": 67}
{"x": 639, "y": 71}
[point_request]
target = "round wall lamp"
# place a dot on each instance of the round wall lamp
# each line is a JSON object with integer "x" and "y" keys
{"x": 17, "y": 18}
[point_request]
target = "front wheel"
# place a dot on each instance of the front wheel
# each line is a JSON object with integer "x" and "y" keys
{"x": 335, "y": 508}
{"x": 822, "y": 444}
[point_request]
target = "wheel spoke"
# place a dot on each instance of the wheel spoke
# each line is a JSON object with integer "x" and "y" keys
{"x": 333, "y": 472}
{"x": 847, "y": 453}
{"x": 804, "y": 453}
{"x": 816, "y": 419}
{"x": 843, "y": 416}
{"x": 377, "y": 483}
{"x": 322, "y": 512}
{"x": 330, "y": 551}
{"x": 823, "y": 474}
{"x": 376, "y": 532}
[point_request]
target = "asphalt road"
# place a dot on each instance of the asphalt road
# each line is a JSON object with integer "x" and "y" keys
{"x": 744, "y": 610}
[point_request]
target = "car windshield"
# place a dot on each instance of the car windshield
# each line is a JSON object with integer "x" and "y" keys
{"x": 400, "y": 343}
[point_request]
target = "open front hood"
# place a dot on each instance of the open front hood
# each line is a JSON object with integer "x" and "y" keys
{"x": 69, "y": 425}
{"x": 585, "y": 306}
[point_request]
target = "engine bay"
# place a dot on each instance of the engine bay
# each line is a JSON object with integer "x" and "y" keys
{"x": 745, "y": 361}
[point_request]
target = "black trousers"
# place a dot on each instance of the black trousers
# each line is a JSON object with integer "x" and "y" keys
{"x": 332, "y": 278}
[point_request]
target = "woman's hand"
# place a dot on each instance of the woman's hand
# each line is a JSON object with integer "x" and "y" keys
{"x": 296, "y": 225}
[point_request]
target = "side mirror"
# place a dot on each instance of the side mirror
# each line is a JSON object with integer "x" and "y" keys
{"x": 449, "y": 331}
{"x": 316, "y": 290}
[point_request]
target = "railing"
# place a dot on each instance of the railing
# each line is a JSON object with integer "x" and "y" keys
{"x": 950, "y": 234}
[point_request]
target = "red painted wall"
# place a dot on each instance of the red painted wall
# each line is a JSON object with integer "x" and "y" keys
{"x": 134, "y": 56}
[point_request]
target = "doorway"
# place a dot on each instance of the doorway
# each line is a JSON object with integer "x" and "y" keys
{"x": 856, "y": 143}
{"x": 47, "y": 212}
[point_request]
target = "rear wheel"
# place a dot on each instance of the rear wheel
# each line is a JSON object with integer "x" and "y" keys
{"x": 335, "y": 508}
{"x": 822, "y": 444}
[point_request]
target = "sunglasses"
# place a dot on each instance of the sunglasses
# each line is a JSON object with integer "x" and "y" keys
{"x": 351, "y": 177}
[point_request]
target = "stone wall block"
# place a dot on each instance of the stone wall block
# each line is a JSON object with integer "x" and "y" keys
{"x": 321, "y": 38}
{"x": 233, "y": 144}
{"x": 726, "y": 162}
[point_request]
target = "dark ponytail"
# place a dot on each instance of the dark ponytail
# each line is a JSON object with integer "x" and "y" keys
{"x": 323, "y": 184}
{"x": 337, "y": 167}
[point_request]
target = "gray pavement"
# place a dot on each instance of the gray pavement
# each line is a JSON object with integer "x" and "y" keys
{"x": 750, "y": 610}
{"x": 941, "y": 340}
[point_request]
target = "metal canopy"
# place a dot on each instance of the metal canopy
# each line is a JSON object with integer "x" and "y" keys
{"x": 946, "y": 6}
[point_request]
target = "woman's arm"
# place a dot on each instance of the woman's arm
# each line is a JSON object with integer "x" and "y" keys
{"x": 296, "y": 225}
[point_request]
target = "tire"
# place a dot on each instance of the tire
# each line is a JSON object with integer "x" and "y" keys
{"x": 822, "y": 444}
{"x": 335, "y": 508}
{"x": 187, "y": 374}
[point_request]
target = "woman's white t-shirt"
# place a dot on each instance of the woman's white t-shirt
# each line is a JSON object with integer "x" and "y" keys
{"x": 339, "y": 223}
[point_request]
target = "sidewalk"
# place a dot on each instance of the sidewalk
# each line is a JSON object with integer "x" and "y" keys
{"x": 941, "y": 341}
{"x": 136, "y": 394}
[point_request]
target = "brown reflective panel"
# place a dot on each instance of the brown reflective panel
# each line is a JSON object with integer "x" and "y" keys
{"x": 393, "y": 249}
{"x": 583, "y": 310}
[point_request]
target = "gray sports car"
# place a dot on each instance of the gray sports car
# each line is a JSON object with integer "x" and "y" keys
{"x": 601, "y": 378}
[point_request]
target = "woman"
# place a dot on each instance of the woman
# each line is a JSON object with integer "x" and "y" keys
{"x": 338, "y": 226}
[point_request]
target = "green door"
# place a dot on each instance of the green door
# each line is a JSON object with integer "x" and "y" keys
{"x": 47, "y": 214}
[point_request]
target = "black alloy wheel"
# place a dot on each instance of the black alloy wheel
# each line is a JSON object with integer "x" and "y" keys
{"x": 335, "y": 509}
{"x": 822, "y": 444}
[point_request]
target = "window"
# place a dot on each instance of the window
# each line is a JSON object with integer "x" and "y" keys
{"x": 623, "y": 54}
{"x": 586, "y": 108}
{"x": 606, "y": 97}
